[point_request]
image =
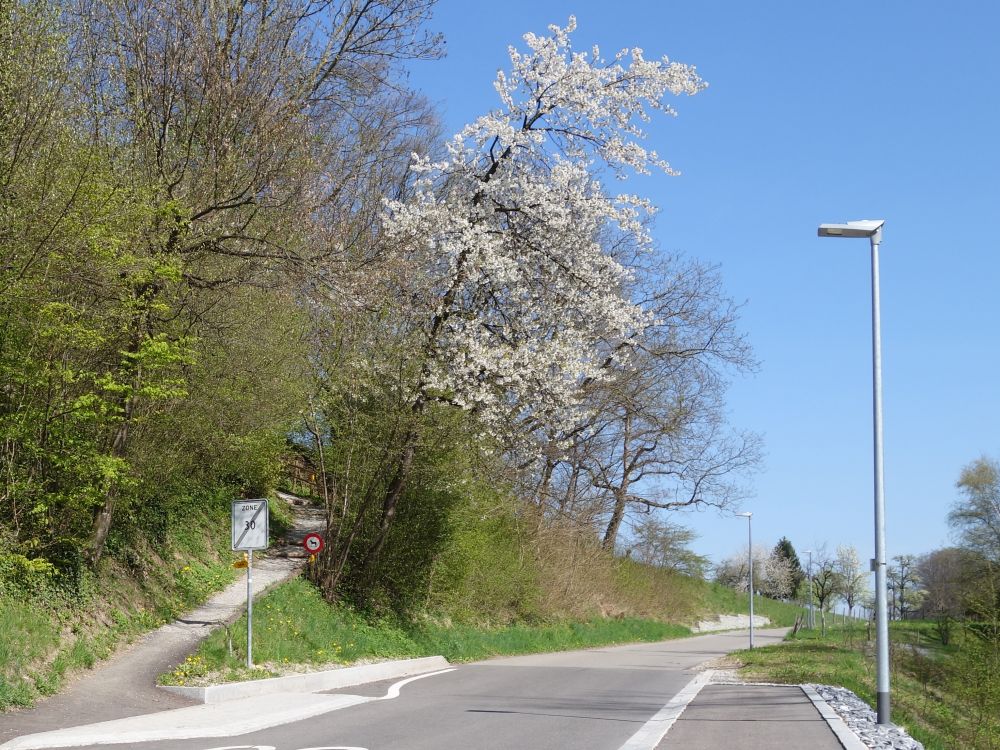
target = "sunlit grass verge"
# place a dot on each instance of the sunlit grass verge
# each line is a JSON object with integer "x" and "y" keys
{"x": 466, "y": 643}
{"x": 293, "y": 625}
{"x": 926, "y": 678}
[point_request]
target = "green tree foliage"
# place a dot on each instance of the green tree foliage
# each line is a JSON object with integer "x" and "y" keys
{"x": 976, "y": 516}
{"x": 71, "y": 372}
{"x": 165, "y": 211}
{"x": 786, "y": 551}
{"x": 975, "y": 677}
{"x": 949, "y": 577}
{"x": 665, "y": 544}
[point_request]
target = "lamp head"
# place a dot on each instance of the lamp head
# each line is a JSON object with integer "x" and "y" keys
{"x": 743, "y": 515}
{"x": 864, "y": 228}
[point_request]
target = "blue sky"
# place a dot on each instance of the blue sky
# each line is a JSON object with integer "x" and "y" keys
{"x": 816, "y": 112}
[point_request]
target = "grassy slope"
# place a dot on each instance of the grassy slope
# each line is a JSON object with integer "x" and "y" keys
{"x": 926, "y": 679}
{"x": 53, "y": 630}
{"x": 293, "y": 625}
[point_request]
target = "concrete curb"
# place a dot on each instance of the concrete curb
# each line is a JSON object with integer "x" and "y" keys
{"x": 278, "y": 701}
{"x": 311, "y": 682}
{"x": 845, "y": 736}
{"x": 220, "y": 720}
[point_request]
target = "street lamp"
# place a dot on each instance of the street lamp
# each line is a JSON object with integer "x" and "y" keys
{"x": 809, "y": 575}
{"x": 748, "y": 516}
{"x": 873, "y": 231}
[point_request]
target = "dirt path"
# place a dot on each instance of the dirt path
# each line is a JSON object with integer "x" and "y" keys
{"x": 124, "y": 685}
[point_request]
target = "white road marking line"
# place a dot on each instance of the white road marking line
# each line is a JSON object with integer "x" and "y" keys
{"x": 396, "y": 687}
{"x": 649, "y": 736}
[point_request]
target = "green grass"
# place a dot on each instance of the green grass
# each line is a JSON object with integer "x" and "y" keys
{"x": 809, "y": 657}
{"x": 54, "y": 630}
{"x": 27, "y": 633}
{"x": 934, "y": 696}
{"x": 35, "y": 660}
{"x": 294, "y": 625}
{"x": 467, "y": 643}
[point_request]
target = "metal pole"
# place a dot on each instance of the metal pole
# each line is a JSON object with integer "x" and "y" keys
{"x": 250, "y": 610}
{"x": 812, "y": 614}
{"x": 750, "y": 555}
{"x": 882, "y": 621}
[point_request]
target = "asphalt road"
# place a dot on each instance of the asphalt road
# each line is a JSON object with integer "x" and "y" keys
{"x": 585, "y": 700}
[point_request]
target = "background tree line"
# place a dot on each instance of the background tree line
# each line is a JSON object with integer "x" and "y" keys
{"x": 954, "y": 584}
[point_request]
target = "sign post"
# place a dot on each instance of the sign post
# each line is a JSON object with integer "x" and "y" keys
{"x": 250, "y": 532}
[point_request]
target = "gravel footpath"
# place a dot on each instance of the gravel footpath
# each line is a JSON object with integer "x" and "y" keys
{"x": 862, "y": 720}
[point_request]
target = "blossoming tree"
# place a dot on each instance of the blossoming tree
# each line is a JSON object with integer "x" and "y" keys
{"x": 518, "y": 294}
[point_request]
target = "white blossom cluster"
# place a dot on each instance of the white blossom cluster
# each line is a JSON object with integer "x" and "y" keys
{"x": 526, "y": 297}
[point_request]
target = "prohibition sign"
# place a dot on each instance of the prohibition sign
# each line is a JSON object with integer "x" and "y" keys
{"x": 313, "y": 543}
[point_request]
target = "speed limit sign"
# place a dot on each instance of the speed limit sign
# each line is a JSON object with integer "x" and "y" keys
{"x": 250, "y": 524}
{"x": 313, "y": 543}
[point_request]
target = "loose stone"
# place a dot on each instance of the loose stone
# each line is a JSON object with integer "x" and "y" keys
{"x": 863, "y": 721}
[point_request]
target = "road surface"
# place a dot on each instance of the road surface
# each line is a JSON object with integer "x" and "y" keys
{"x": 599, "y": 699}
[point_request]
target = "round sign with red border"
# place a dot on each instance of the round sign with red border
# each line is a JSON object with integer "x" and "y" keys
{"x": 313, "y": 543}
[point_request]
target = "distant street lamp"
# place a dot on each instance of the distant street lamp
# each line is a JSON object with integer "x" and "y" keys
{"x": 809, "y": 575}
{"x": 872, "y": 229}
{"x": 748, "y": 516}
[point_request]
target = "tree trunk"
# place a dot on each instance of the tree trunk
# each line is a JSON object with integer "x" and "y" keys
{"x": 102, "y": 521}
{"x": 389, "y": 507}
{"x": 543, "y": 489}
{"x": 143, "y": 294}
{"x": 617, "y": 515}
{"x": 570, "y": 494}
{"x": 621, "y": 491}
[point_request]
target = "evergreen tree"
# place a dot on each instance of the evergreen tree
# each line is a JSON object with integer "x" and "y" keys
{"x": 784, "y": 549}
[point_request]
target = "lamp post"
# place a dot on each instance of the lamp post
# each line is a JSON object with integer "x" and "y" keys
{"x": 873, "y": 231}
{"x": 748, "y": 516}
{"x": 809, "y": 575}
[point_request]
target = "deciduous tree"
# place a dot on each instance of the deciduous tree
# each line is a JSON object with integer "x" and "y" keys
{"x": 949, "y": 577}
{"x": 976, "y": 516}
{"x": 666, "y": 545}
{"x": 904, "y": 583}
{"x": 825, "y": 584}
{"x": 516, "y": 300}
{"x": 853, "y": 581}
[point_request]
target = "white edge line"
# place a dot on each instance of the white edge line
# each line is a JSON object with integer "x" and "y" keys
{"x": 650, "y": 734}
{"x": 845, "y": 735}
{"x": 394, "y": 689}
